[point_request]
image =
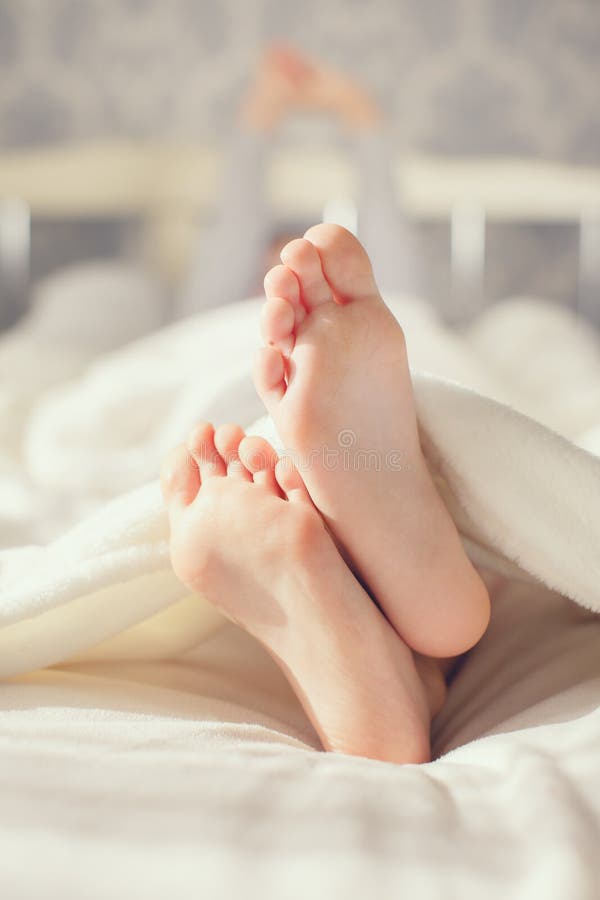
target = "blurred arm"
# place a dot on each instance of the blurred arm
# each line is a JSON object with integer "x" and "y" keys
{"x": 227, "y": 262}
{"x": 382, "y": 227}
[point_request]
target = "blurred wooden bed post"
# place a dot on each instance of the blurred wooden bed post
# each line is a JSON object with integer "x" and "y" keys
{"x": 588, "y": 287}
{"x": 169, "y": 190}
{"x": 15, "y": 249}
{"x": 467, "y": 243}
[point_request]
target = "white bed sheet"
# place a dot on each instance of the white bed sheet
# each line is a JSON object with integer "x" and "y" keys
{"x": 201, "y": 775}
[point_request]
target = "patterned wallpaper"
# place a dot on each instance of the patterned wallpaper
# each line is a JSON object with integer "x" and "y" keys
{"x": 455, "y": 76}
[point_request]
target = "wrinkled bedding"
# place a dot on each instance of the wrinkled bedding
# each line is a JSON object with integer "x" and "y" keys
{"x": 163, "y": 752}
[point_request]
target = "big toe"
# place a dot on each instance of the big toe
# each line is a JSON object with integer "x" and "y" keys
{"x": 344, "y": 262}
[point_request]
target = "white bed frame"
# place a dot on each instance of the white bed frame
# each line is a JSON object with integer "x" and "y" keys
{"x": 169, "y": 187}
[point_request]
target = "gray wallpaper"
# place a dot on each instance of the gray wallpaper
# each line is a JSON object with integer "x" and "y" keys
{"x": 455, "y": 76}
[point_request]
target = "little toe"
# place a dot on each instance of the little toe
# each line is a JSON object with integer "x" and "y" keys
{"x": 277, "y": 323}
{"x": 227, "y": 442}
{"x": 269, "y": 376}
{"x": 201, "y": 445}
{"x": 260, "y": 459}
{"x": 280, "y": 281}
{"x": 302, "y": 257}
{"x": 179, "y": 479}
{"x": 290, "y": 481}
{"x": 344, "y": 262}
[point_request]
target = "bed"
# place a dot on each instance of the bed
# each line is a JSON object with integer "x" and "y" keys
{"x": 151, "y": 748}
{"x": 170, "y": 188}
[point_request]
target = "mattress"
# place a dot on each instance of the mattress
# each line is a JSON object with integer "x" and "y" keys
{"x": 157, "y": 768}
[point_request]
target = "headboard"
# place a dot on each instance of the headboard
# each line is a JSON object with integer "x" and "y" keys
{"x": 169, "y": 186}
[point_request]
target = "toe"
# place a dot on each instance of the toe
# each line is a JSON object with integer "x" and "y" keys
{"x": 257, "y": 454}
{"x": 344, "y": 262}
{"x": 227, "y": 442}
{"x": 302, "y": 257}
{"x": 260, "y": 459}
{"x": 280, "y": 281}
{"x": 179, "y": 478}
{"x": 290, "y": 481}
{"x": 269, "y": 376}
{"x": 201, "y": 445}
{"x": 277, "y": 324}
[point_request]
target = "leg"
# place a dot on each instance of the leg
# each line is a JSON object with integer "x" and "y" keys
{"x": 245, "y": 535}
{"x": 335, "y": 379}
{"x": 243, "y": 217}
{"x": 382, "y": 227}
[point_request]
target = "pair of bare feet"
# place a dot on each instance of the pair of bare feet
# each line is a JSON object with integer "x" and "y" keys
{"x": 297, "y": 551}
{"x": 286, "y": 81}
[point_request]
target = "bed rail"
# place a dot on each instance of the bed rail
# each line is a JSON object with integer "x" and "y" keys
{"x": 170, "y": 186}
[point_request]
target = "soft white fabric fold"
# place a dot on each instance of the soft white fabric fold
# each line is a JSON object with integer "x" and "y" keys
{"x": 526, "y": 499}
{"x": 185, "y": 773}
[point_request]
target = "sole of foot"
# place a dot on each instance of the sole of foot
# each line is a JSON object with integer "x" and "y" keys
{"x": 334, "y": 377}
{"x": 247, "y": 537}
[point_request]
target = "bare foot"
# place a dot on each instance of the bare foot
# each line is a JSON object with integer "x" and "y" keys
{"x": 335, "y": 380}
{"x": 331, "y": 91}
{"x": 273, "y": 91}
{"x": 286, "y": 80}
{"x": 245, "y": 535}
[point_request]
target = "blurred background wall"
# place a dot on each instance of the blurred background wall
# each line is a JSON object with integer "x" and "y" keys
{"x": 461, "y": 77}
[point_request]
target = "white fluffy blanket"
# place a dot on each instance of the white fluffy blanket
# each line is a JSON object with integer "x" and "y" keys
{"x": 526, "y": 500}
{"x": 100, "y": 602}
